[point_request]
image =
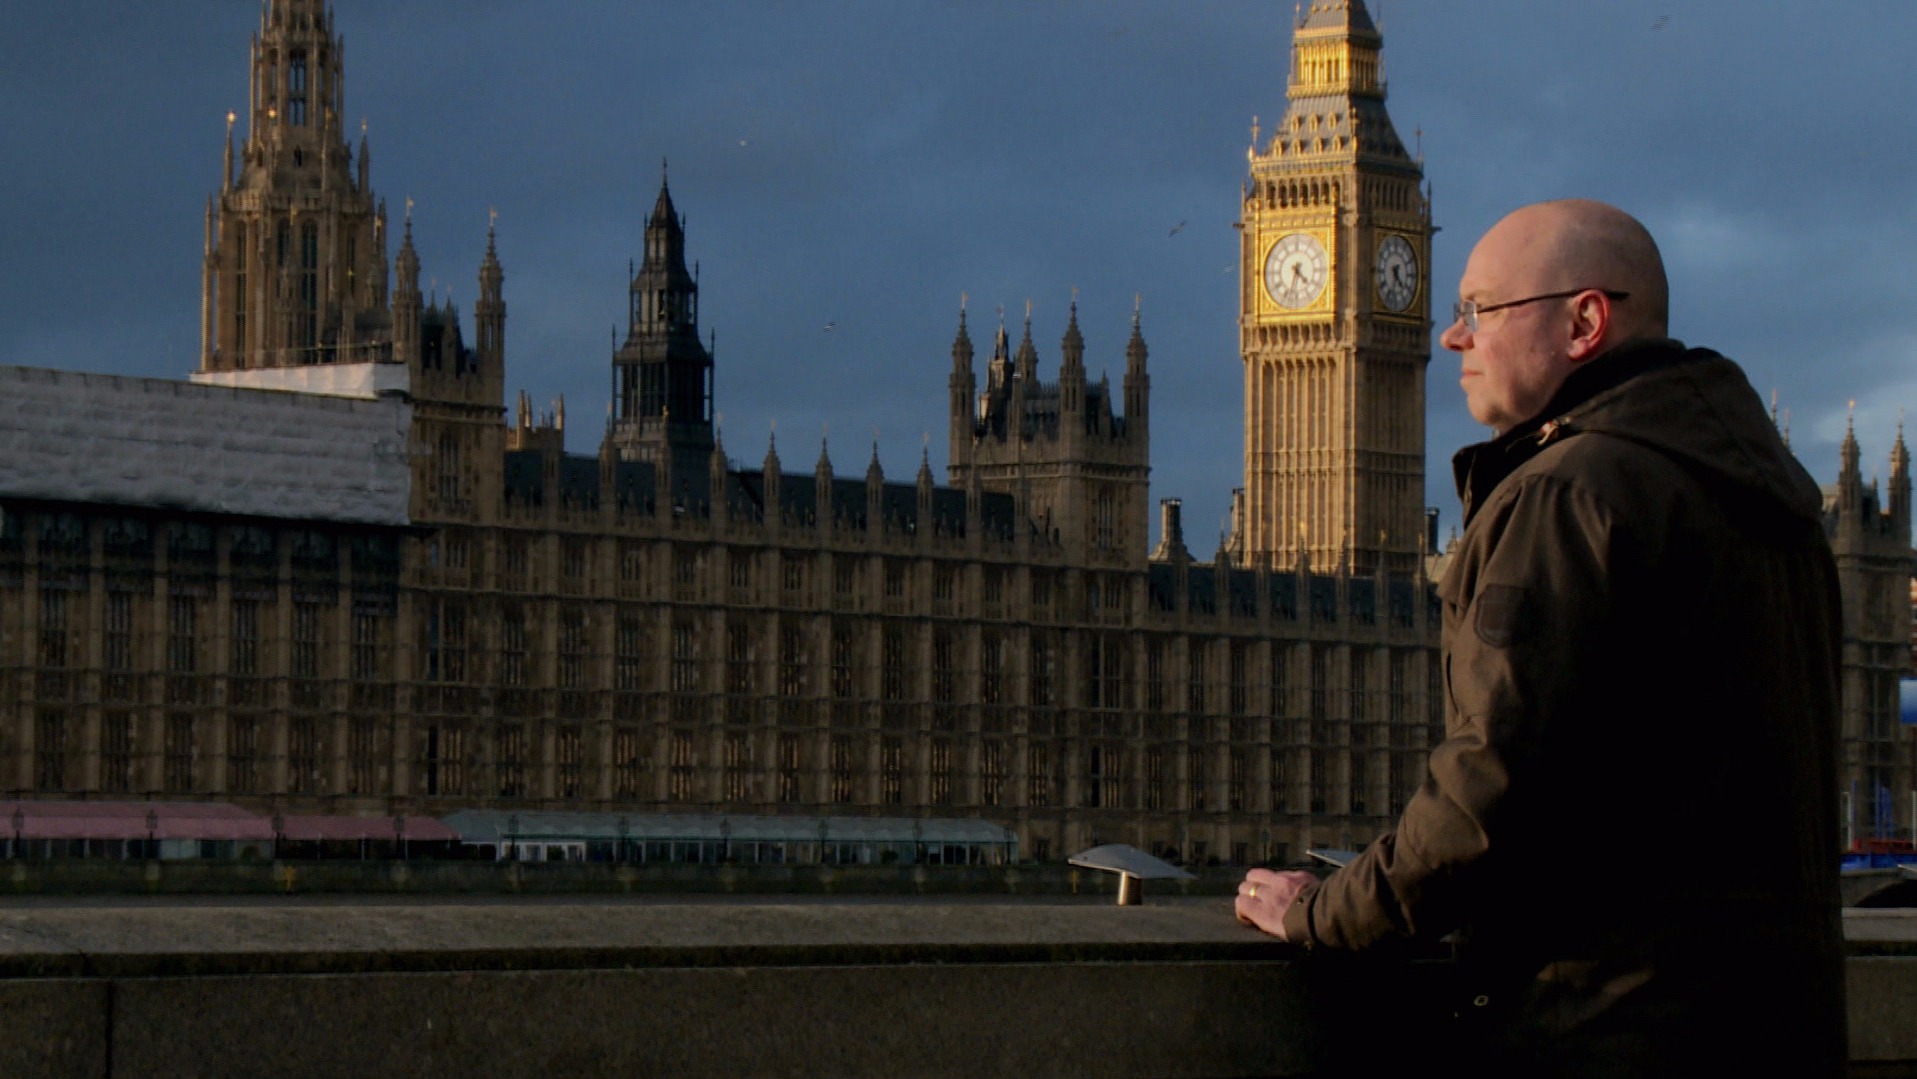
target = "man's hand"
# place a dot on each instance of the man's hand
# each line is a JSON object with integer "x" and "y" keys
{"x": 1264, "y": 896}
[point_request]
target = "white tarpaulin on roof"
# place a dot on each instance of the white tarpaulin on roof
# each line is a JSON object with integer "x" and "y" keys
{"x": 71, "y": 437}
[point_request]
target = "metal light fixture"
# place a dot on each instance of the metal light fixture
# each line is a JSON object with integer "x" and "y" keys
{"x": 1133, "y": 867}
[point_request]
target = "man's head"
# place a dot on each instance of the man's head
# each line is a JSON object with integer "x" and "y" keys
{"x": 1584, "y": 276}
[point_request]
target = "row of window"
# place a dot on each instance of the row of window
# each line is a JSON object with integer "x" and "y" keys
{"x": 450, "y": 764}
{"x": 446, "y": 646}
{"x": 122, "y": 636}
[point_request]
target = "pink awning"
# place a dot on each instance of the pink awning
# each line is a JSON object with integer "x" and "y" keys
{"x": 131, "y": 820}
{"x": 418, "y": 829}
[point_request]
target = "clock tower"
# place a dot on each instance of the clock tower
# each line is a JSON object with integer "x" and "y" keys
{"x": 1334, "y": 316}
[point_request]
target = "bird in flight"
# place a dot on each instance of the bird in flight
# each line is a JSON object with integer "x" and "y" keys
{"x": 1178, "y": 228}
{"x": 830, "y": 326}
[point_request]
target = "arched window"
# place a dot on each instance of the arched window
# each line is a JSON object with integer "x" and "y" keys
{"x": 296, "y": 89}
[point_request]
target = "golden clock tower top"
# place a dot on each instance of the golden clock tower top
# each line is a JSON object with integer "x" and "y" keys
{"x": 1333, "y": 315}
{"x": 1337, "y": 89}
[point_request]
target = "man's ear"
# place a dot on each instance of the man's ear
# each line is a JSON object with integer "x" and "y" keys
{"x": 1590, "y": 325}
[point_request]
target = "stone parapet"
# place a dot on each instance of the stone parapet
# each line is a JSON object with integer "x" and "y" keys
{"x": 722, "y": 988}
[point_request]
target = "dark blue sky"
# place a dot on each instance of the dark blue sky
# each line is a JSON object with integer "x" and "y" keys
{"x": 863, "y": 163}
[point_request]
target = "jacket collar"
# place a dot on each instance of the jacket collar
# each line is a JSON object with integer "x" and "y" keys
{"x": 1479, "y": 468}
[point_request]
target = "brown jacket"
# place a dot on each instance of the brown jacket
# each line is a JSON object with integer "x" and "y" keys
{"x": 1632, "y": 820}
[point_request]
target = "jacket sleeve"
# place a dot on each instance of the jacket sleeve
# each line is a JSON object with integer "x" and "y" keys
{"x": 1526, "y": 598}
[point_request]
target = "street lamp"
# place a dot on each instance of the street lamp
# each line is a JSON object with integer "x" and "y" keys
{"x": 19, "y": 824}
{"x": 279, "y": 829}
{"x": 512, "y": 832}
{"x": 399, "y": 835}
{"x": 152, "y": 831}
{"x": 725, "y": 840}
{"x": 625, "y": 829}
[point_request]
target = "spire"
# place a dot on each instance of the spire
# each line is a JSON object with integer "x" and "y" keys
{"x": 716, "y": 500}
{"x": 1071, "y": 371}
{"x": 874, "y": 491}
{"x": 490, "y": 274}
{"x": 771, "y": 465}
{"x": 1850, "y": 479}
{"x": 1072, "y": 349}
{"x": 1138, "y": 384}
{"x": 1135, "y": 348}
{"x": 489, "y": 312}
{"x": 406, "y": 263}
{"x": 406, "y": 306}
{"x": 1849, "y": 450}
{"x": 1026, "y": 363}
{"x": 226, "y": 172}
{"x": 1347, "y": 17}
{"x": 962, "y": 343}
{"x": 663, "y": 370}
{"x": 663, "y": 213}
{"x": 999, "y": 368}
{"x": 1898, "y": 491}
{"x": 823, "y": 511}
{"x": 925, "y": 465}
{"x": 1336, "y": 87}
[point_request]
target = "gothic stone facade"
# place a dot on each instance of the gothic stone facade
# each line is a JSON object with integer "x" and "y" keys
{"x": 656, "y": 627}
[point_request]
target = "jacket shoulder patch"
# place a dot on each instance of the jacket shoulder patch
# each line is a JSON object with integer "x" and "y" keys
{"x": 1500, "y": 609}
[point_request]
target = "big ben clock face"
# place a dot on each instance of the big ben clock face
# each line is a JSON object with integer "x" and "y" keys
{"x": 1397, "y": 273}
{"x": 1296, "y": 270}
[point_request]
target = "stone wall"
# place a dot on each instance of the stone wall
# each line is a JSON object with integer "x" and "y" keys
{"x": 722, "y": 988}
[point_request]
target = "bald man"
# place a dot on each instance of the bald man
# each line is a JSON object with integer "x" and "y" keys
{"x": 1631, "y": 823}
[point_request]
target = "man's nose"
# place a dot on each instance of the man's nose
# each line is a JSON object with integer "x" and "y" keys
{"x": 1455, "y": 336}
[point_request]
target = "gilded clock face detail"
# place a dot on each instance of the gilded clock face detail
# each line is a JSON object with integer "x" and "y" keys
{"x": 1397, "y": 273}
{"x": 1296, "y": 270}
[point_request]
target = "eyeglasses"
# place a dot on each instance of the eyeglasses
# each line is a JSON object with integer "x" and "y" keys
{"x": 1467, "y": 311}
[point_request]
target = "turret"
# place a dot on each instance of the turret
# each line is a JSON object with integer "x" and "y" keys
{"x": 662, "y": 375}
{"x": 974, "y": 510}
{"x": 822, "y": 489}
{"x": 998, "y": 369}
{"x": 406, "y": 298}
{"x": 963, "y": 387}
{"x": 1850, "y": 478}
{"x": 299, "y": 256}
{"x": 226, "y": 170}
{"x": 1138, "y": 384}
{"x": 489, "y": 314}
{"x": 874, "y": 492}
{"x": 924, "y": 518}
{"x": 209, "y": 274}
{"x": 1899, "y": 492}
{"x": 1071, "y": 373}
{"x": 771, "y": 483}
{"x": 716, "y": 480}
{"x": 1025, "y": 364}
{"x": 1024, "y": 382}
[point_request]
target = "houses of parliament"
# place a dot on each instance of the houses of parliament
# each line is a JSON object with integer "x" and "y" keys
{"x": 341, "y": 576}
